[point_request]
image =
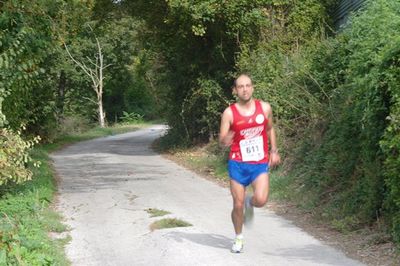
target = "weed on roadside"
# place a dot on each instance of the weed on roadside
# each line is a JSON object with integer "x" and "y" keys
{"x": 156, "y": 212}
{"x": 168, "y": 223}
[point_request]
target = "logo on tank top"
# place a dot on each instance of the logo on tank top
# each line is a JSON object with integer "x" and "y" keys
{"x": 252, "y": 132}
{"x": 260, "y": 119}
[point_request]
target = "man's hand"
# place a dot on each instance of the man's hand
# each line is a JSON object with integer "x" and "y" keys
{"x": 274, "y": 158}
{"x": 227, "y": 139}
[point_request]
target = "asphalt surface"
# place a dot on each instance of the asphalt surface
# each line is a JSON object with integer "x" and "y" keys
{"x": 107, "y": 184}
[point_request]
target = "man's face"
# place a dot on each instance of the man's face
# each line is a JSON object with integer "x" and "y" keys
{"x": 244, "y": 88}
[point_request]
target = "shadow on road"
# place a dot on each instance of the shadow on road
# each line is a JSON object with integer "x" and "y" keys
{"x": 212, "y": 240}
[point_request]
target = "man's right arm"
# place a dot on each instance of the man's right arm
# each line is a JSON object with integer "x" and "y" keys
{"x": 225, "y": 134}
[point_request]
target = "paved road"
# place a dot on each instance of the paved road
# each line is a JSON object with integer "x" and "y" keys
{"x": 107, "y": 184}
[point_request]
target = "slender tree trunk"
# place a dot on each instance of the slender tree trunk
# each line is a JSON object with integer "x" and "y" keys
{"x": 100, "y": 86}
{"x": 61, "y": 95}
{"x": 101, "y": 111}
{"x": 101, "y": 115}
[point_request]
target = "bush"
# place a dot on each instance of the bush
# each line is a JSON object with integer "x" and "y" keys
{"x": 351, "y": 160}
{"x": 338, "y": 101}
{"x": 14, "y": 157}
{"x": 201, "y": 110}
{"x": 131, "y": 118}
{"x": 391, "y": 141}
{"x": 74, "y": 124}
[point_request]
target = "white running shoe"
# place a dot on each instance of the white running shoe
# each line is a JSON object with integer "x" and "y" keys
{"x": 237, "y": 246}
{"x": 248, "y": 210}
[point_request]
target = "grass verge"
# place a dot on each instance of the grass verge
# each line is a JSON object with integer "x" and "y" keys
{"x": 26, "y": 216}
{"x": 26, "y": 219}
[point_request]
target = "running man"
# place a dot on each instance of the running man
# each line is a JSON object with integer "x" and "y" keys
{"x": 247, "y": 127}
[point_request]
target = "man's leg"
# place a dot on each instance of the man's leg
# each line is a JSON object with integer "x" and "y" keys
{"x": 238, "y": 193}
{"x": 261, "y": 190}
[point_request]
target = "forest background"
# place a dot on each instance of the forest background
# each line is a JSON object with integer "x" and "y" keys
{"x": 335, "y": 92}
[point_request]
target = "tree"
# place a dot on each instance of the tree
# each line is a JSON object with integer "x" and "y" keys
{"x": 130, "y": 85}
{"x": 95, "y": 72}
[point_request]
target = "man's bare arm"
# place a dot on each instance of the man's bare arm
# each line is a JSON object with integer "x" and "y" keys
{"x": 275, "y": 158}
{"x": 225, "y": 134}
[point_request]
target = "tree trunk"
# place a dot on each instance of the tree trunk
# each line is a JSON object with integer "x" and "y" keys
{"x": 61, "y": 95}
{"x": 101, "y": 115}
{"x": 101, "y": 111}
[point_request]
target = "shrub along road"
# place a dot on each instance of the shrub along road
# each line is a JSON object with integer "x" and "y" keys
{"x": 107, "y": 186}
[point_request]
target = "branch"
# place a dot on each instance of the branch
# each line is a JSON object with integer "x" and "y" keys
{"x": 90, "y": 100}
{"x": 100, "y": 58}
{"x": 91, "y": 61}
{"x": 81, "y": 65}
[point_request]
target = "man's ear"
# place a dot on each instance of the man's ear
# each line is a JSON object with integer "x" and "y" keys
{"x": 234, "y": 92}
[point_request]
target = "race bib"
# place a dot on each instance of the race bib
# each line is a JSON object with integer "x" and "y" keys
{"x": 252, "y": 149}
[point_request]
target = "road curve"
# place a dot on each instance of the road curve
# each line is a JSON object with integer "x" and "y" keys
{"x": 107, "y": 184}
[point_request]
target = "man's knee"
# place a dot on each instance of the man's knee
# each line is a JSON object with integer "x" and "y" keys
{"x": 238, "y": 205}
{"x": 260, "y": 200}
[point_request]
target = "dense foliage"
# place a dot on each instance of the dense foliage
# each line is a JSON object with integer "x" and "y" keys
{"x": 353, "y": 165}
{"x": 200, "y": 42}
{"x": 337, "y": 101}
{"x": 42, "y": 90}
{"x": 40, "y": 85}
{"x": 26, "y": 47}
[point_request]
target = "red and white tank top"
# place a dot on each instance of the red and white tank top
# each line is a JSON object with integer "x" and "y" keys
{"x": 250, "y": 142}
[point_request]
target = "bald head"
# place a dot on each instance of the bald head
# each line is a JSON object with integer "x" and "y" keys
{"x": 241, "y": 77}
{"x": 243, "y": 88}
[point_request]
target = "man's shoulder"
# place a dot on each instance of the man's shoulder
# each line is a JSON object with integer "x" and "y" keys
{"x": 228, "y": 111}
{"x": 265, "y": 105}
{"x": 229, "y": 107}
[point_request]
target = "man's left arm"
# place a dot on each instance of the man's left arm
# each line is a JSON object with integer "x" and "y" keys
{"x": 274, "y": 157}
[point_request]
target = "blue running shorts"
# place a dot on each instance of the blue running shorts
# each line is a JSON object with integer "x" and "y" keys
{"x": 246, "y": 173}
